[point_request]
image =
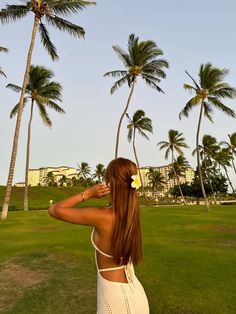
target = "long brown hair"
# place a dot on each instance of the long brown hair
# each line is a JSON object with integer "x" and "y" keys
{"x": 126, "y": 237}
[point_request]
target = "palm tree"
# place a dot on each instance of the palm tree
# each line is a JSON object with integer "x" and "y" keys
{"x": 52, "y": 11}
{"x": 141, "y": 124}
{"x": 43, "y": 92}
{"x": 231, "y": 146}
{"x": 83, "y": 170}
{"x": 208, "y": 93}
{"x": 223, "y": 158}
{"x": 3, "y": 49}
{"x": 63, "y": 180}
{"x": 175, "y": 143}
{"x": 207, "y": 151}
{"x": 156, "y": 180}
{"x": 49, "y": 180}
{"x": 99, "y": 172}
{"x": 141, "y": 59}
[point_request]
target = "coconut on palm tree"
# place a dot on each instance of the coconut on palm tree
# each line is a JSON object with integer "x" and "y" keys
{"x": 210, "y": 92}
{"x": 3, "y": 49}
{"x": 175, "y": 142}
{"x": 231, "y": 146}
{"x": 141, "y": 60}
{"x": 53, "y": 12}
{"x": 139, "y": 123}
{"x": 44, "y": 93}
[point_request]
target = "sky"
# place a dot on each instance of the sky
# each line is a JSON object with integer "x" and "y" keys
{"x": 188, "y": 32}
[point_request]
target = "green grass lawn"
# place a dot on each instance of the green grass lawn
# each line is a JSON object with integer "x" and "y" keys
{"x": 47, "y": 266}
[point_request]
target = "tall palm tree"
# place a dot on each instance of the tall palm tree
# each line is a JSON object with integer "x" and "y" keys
{"x": 43, "y": 92}
{"x": 99, "y": 172}
{"x": 49, "y": 180}
{"x": 209, "y": 93}
{"x": 141, "y": 124}
{"x": 52, "y": 11}
{"x": 3, "y": 49}
{"x": 231, "y": 146}
{"x": 83, "y": 170}
{"x": 175, "y": 143}
{"x": 142, "y": 59}
{"x": 207, "y": 151}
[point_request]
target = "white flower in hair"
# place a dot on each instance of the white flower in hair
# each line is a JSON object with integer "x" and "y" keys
{"x": 136, "y": 182}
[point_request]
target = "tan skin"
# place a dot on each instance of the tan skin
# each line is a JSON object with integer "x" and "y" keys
{"x": 100, "y": 218}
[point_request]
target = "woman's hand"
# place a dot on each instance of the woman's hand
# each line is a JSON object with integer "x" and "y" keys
{"x": 97, "y": 191}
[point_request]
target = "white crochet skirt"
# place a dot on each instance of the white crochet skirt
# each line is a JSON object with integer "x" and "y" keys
{"x": 121, "y": 298}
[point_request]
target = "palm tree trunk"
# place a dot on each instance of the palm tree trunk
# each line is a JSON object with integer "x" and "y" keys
{"x": 210, "y": 183}
{"x": 18, "y": 122}
{"x": 198, "y": 159}
{"x": 233, "y": 165}
{"x": 26, "y": 192}
{"x": 227, "y": 175}
{"x": 121, "y": 119}
{"x": 177, "y": 179}
{"x": 137, "y": 162}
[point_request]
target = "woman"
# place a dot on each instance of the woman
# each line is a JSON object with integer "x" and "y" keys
{"x": 116, "y": 237}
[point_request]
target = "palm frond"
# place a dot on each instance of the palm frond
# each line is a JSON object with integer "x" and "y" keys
{"x": 2, "y": 73}
{"x": 208, "y": 111}
{"x": 195, "y": 83}
{"x": 119, "y": 83}
{"x": 14, "y": 13}
{"x": 218, "y": 104}
{"x": 44, "y": 115}
{"x": 188, "y": 107}
{"x": 15, "y": 109}
{"x": 123, "y": 56}
{"x": 190, "y": 88}
{"x": 116, "y": 73}
{"x": 69, "y": 7}
{"x": 3, "y": 49}
{"x": 66, "y": 26}
{"x": 51, "y": 49}
{"x": 14, "y": 87}
{"x": 152, "y": 84}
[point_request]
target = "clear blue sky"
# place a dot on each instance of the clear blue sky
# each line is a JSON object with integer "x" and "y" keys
{"x": 189, "y": 33}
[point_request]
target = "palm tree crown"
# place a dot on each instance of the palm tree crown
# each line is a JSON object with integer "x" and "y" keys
{"x": 83, "y": 170}
{"x": 139, "y": 60}
{"x": 52, "y": 11}
{"x": 175, "y": 143}
{"x": 41, "y": 90}
{"x": 139, "y": 123}
{"x": 209, "y": 91}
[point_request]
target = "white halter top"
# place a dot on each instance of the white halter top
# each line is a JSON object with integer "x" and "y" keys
{"x": 104, "y": 254}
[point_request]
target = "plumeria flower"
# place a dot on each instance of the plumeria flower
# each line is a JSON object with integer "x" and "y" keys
{"x": 136, "y": 182}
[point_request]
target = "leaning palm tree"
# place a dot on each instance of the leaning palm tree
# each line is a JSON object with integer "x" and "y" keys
{"x": 43, "y": 92}
{"x": 231, "y": 146}
{"x": 3, "y": 49}
{"x": 52, "y": 11}
{"x": 176, "y": 143}
{"x": 209, "y": 93}
{"x": 142, "y": 59}
{"x": 83, "y": 170}
{"x": 141, "y": 124}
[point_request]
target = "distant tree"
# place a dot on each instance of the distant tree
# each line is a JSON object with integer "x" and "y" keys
{"x": 175, "y": 143}
{"x": 142, "y": 59}
{"x": 156, "y": 180}
{"x": 231, "y": 146}
{"x": 99, "y": 172}
{"x": 139, "y": 123}
{"x": 44, "y": 93}
{"x": 83, "y": 170}
{"x": 209, "y": 93}
{"x": 63, "y": 181}
{"x": 49, "y": 180}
